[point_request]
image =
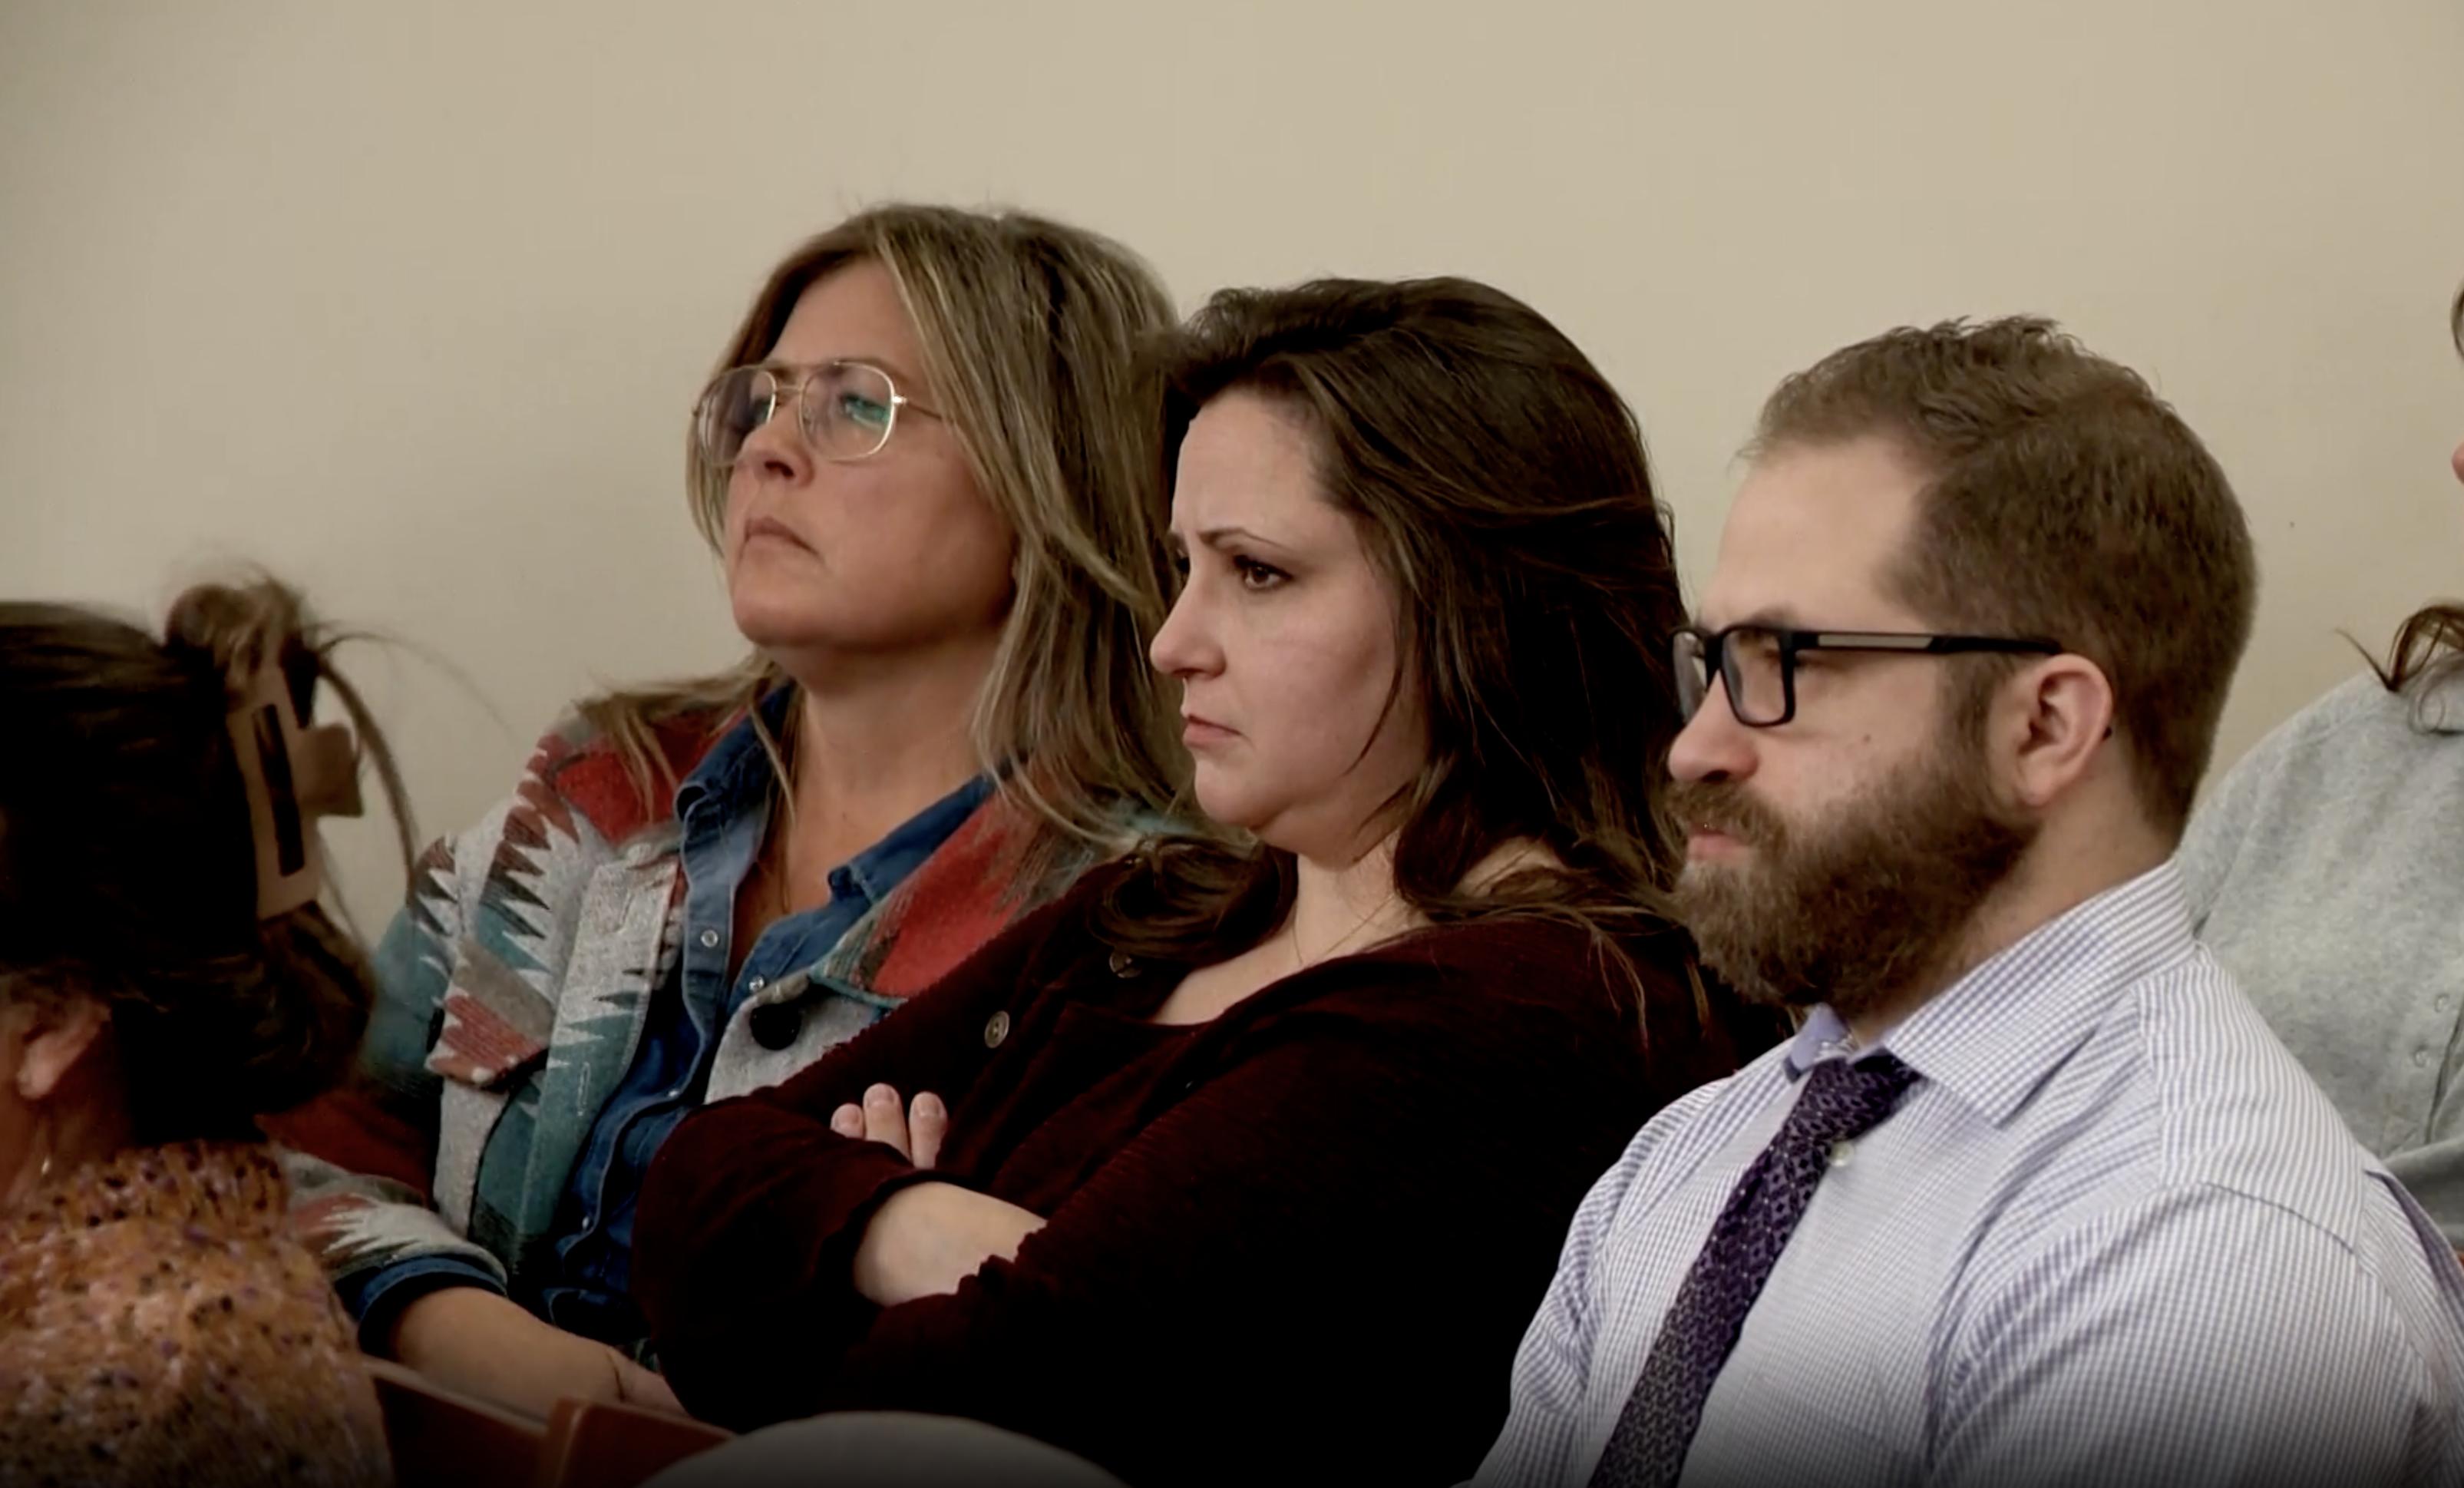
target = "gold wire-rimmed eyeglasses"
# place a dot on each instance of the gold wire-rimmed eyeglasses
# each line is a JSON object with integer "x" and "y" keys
{"x": 846, "y": 410}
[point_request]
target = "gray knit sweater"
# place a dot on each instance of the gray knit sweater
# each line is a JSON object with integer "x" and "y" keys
{"x": 2326, "y": 871}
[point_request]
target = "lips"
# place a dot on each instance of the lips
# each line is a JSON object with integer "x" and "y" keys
{"x": 1196, "y": 730}
{"x": 1711, "y": 842}
{"x": 1717, "y": 836}
{"x": 772, "y": 527}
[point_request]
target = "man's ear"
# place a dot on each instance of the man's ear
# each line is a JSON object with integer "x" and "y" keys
{"x": 55, "y": 1034}
{"x": 2061, "y": 714}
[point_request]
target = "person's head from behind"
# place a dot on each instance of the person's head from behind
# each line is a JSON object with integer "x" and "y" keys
{"x": 2455, "y": 334}
{"x": 930, "y": 447}
{"x": 2429, "y": 647}
{"x": 146, "y": 996}
{"x": 2082, "y": 574}
{"x": 1427, "y": 590}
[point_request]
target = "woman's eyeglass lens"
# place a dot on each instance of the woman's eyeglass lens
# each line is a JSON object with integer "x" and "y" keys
{"x": 844, "y": 409}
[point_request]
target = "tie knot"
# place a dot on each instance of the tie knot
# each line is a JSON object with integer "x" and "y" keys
{"x": 1843, "y": 1100}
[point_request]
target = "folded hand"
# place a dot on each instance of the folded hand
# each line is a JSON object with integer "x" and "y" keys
{"x": 925, "y": 1239}
{"x": 915, "y": 1133}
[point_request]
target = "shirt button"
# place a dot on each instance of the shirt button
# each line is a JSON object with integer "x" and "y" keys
{"x": 2421, "y": 1059}
{"x": 757, "y": 984}
{"x": 2443, "y": 1001}
{"x": 1841, "y": 1151}
{"x": 995, "y": 1030}
{"x": 709, "y": 940}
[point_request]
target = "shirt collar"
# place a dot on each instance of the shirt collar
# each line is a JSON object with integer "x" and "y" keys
{"x": 885, "y": 864}
{"x": 1993, "y": 1036}
{"x": 735, "y": 781}
{"x": 233, "y": 1189}
{"x": 736, "y": 773}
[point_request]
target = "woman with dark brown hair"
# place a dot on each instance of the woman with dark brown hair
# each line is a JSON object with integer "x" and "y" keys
{"x": 1248, "y": 1161}
{"x": 167, "y": 976}
{"x": 2324, "y": 871}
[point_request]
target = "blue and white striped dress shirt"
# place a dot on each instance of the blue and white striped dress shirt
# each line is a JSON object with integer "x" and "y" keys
{"x": 2114, "y": 1236}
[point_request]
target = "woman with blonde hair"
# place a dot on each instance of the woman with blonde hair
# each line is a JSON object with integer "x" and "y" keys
{"x": 929, "y": 463}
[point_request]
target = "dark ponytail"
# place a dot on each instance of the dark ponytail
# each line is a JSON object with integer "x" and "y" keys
{"x": 2429, "y": 647}
{"x": 128, "y": 861}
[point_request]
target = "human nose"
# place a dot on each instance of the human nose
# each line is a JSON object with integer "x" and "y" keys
{"x": 1183, "y": 646}
{"x": 776, "y": 449}
{"x": 1712, "y": 745}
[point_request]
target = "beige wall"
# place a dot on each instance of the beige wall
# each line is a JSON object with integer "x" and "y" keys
{"x": 408, "y": 301}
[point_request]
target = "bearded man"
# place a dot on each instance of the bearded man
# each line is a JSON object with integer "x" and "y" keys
{"x": 2033, "y": 1196}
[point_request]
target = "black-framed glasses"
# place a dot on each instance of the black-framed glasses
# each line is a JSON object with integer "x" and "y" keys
{"x": 846, "y": 410}
{"x": 1757, "y": 663}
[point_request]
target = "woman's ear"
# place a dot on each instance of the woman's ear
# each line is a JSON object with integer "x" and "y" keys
{"x": 52, "y": 1035}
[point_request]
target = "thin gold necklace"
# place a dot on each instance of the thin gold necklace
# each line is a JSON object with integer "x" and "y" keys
{"x": 775, "y": 880}
{"x": 1293, "y": 927}
{"x": 776, "y": 863}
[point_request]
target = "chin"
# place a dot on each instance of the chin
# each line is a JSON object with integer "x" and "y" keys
{"x": 770, "y": 618}
{"x": 1704, "y": 870}
{"x": 1224, "y": 802}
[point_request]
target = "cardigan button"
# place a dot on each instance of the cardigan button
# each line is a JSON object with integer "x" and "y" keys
{"x": 996, "y": 1029}
{"x": 776, "y": 1025}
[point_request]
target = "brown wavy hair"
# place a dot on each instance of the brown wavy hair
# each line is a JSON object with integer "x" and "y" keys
{"x": 2429, "y": 647}
{"x": 1031, "y": 333}
{"x": 127, "y": 861}
{"x": 1502, "y": 490}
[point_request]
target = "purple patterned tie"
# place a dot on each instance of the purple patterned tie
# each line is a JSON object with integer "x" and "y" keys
{"x": 1840, "y": 1101}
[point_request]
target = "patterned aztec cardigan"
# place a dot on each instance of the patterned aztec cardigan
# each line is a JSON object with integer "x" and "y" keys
{"x": 515, "y": 984}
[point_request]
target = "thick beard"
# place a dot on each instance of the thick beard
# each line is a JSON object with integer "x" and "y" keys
{"x": 1852, "y": 910}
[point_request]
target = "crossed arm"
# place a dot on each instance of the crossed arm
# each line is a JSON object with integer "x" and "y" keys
{"x": 925, "y": 1239}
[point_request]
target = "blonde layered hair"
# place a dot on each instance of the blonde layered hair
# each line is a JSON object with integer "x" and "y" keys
{"x": 1032, "y": 334}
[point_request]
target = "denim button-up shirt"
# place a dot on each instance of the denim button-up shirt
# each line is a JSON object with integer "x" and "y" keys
{"x": 723, "y": 809}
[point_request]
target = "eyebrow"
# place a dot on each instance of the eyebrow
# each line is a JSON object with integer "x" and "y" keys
{"x": 1772, "y": 617}
{"x": 908, "y": 382}
{"x": 1217, "y": 537}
